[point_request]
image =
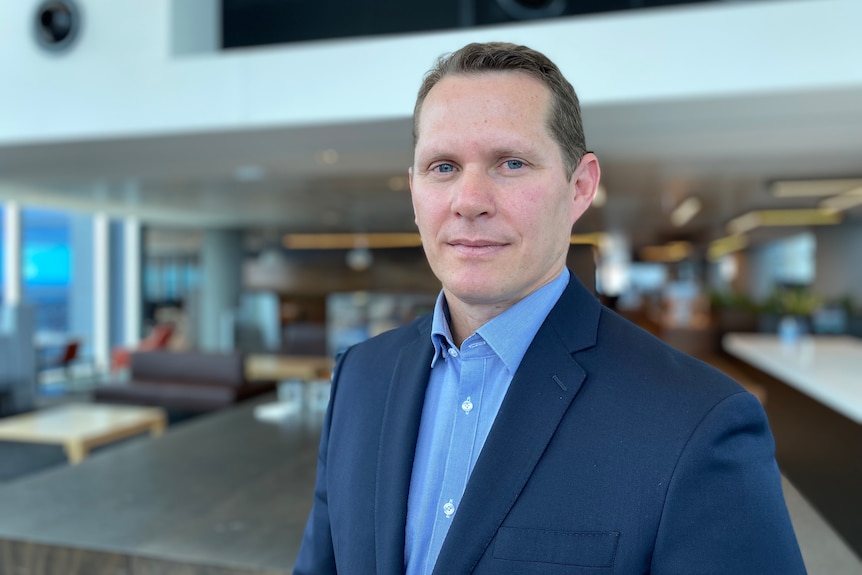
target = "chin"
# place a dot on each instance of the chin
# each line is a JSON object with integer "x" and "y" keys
{"x": 487, "y": 291}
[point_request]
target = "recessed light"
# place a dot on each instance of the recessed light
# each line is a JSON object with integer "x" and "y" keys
{"x": 726, "y": 245}
{"x": 813, "y": 188}
{"x": 670, "y": 252}
{"x": 844, "y": 201}
{"x": 591, "y": 239}
{"x": 685, "y": 211}
{"x": 760, "y": 218}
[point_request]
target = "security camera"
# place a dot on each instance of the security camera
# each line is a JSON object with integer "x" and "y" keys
{"x": 533, "y": 9}
{"x": 57, "y": 23}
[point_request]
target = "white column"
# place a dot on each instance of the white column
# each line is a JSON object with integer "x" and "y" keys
{"x": 101, "y": 292}
{"x": 12, "y": 284}
{"x": 221, "y": 284}
{"x": 132, "y": 300}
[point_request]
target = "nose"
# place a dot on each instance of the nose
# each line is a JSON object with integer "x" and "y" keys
{"x": 474, "y": 195}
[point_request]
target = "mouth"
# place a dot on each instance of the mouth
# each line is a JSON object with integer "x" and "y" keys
{"x": 476, "y": 246}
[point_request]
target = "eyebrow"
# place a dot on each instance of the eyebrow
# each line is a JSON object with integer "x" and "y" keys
{"x": 437, "y": 154}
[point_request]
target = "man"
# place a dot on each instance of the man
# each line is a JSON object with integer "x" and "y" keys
{"x": 524, "y": 428}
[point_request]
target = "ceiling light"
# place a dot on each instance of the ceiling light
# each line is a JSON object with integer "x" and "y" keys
{"x": 326, "y": 157}
{"x": 812, "y": 188}
{"x": 349, "y": 241}
{"x": 743, "y": 223}
{"x": 760, "y": 218}
{"x": 359, "y": 259}
{"x": 685, "y": 211}
{"x": 845, "y": 201}
{"x": 592, "y": 239}
{"x": 670, "y": 252}
{"x": 726, "y": 245}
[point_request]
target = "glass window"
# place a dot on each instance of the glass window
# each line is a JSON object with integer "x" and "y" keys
{"x": 46, "y": 263}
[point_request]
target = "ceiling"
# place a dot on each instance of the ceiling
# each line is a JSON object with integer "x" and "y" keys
{"x": 352, "y": 177}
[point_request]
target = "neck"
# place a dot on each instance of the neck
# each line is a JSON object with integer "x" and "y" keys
{"x": 465, "y": 319}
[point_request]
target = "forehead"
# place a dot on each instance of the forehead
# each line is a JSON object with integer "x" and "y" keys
{"x": 487, "y": 102}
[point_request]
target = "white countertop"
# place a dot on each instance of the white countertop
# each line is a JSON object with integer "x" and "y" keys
{"x": 827, "y": 368}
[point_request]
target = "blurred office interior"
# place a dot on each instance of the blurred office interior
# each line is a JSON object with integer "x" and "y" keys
{"x": 230, "y": 177}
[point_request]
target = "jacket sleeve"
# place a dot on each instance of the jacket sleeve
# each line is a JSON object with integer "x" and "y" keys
{"x": 316, "y": 552}
{"x": 725, "y": 510}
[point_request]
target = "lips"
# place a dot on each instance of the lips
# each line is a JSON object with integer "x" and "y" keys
{"x": 476, "y": 247}
{"x": 476, "y": 243}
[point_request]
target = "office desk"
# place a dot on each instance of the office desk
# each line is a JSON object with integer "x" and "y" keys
{"x": 814, "y": 404}
{"x": 827, "y": 368}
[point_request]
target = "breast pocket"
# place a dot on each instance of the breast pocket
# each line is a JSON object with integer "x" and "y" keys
{"x": 578, "y": 549}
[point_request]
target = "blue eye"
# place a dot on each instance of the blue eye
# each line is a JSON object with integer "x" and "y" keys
{"x": 514, "y": 164}
{"x": 444, "y": 168}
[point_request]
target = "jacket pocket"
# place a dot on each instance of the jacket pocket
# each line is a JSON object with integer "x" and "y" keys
{"x": 580, "y": 549}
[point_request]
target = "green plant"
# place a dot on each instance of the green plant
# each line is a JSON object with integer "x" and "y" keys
{"x": 846, "y": 303}
{"x": 797, "y": 301}
{"x": 732, "y": 301}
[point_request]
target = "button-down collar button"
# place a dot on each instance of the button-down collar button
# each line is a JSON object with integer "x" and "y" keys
{"x": 449, "y": 509}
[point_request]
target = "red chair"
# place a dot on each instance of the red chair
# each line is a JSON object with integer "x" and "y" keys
{"x": 63, "y": 359}
{"x": 158, "y": 339}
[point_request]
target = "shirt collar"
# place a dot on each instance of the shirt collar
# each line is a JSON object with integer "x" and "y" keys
{"x": 510, "y": 333}
{"x": 441, "y": 335}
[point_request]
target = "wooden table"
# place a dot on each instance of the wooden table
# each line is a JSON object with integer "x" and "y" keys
{"x": 80, "y": 427}
{"x": 270, "y": 367}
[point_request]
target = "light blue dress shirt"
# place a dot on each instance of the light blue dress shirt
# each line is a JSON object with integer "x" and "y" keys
{"x": 464, "y": 394}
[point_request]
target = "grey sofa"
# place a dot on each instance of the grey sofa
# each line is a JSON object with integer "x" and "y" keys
{"x": 184, "y": 381}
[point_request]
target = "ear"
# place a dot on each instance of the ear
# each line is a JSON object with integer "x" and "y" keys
{"x": 584, "y": 183}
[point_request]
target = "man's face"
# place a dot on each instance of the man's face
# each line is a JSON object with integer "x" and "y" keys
{"x": 490, "y": 194}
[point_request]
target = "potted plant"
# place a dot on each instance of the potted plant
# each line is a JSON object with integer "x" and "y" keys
{"x": 792, "y": 307}
{"x": 854, "y": 317}
{"x": 734, "y": 312}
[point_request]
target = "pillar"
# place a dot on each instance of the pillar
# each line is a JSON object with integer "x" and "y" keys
{"x": 132, "y": 296}
{"x": 101, "y": 292}
{"x": 220, "y": 286}
{"x": 13, "y": 282}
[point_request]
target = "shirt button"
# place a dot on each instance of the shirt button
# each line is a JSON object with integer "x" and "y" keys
{"x": 449, "y": 509}
{"x": 467, "y": 406}
{"x": 453, "y": 352}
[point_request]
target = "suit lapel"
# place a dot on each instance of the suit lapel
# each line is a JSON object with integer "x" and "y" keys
{"x": 538, "y": 397}
{"x": 398, "y": 435}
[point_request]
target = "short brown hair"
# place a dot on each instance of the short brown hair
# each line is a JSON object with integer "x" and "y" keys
{"x": 564, "y": 121}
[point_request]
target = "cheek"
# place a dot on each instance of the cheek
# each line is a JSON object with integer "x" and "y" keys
{"x": 545, "y": 214}
{"x": 425, "y": 212}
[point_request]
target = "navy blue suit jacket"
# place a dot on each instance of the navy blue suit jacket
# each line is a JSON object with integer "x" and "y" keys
{"x": 611, "y": 453}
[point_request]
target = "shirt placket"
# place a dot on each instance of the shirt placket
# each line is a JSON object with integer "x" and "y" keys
{"x": 465, "y": 417}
